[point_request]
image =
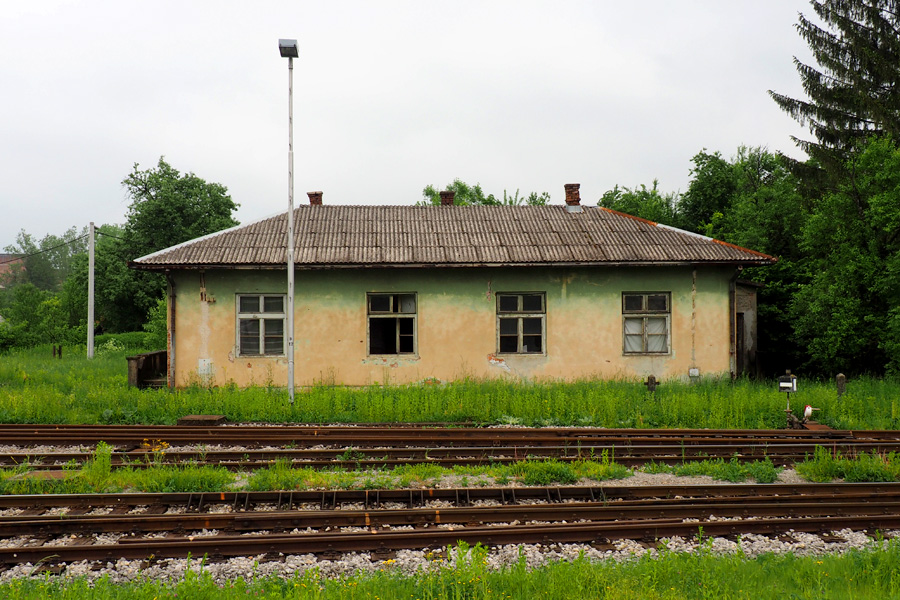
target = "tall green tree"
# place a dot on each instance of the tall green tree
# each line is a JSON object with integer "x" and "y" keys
{"x": 711, "y": 190}
{"x": 473, "y": 195}
{"x": 766, "y": 212}
{"x": 854, "y": 92}
{"x": 167, "y": 208}
{"x": 646, "y": 203}
{"x": 849, "y": 313}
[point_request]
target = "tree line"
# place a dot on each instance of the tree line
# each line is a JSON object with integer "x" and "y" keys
{"x": 44, "y": 297}
{"x": 831, "y": 303}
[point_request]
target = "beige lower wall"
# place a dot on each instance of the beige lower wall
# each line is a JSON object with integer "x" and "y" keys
{"x": 456, "y": 324}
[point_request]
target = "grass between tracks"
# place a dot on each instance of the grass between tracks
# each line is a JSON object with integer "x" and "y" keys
{"x": 36, "y": 388}
{"x": 863, "y": 575}
{"x": 98, "y": 476}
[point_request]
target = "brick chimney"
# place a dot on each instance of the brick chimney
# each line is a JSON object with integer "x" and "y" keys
{"x": 447, "y": 198}
{"x": 315, "y": 198}
{"x": 573, "y": 198}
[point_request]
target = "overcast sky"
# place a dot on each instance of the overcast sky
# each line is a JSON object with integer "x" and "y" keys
{"x": 389, "y": 96}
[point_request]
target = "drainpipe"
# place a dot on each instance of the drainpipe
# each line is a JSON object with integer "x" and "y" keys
{"x": 170, "y": 337}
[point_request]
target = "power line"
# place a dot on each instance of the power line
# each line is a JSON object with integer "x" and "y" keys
{"x": 66, "y": 243}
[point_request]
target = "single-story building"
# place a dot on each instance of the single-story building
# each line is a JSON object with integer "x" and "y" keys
{"x": 397, "y": 294}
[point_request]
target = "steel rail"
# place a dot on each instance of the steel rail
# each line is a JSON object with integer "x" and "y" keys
{"x": 721, "y": 508}
{"x": 779, "y": 453}
{"x": 361, "y": 436}
{"x": 246, "y": 500}
{"x": 596, "y": 533}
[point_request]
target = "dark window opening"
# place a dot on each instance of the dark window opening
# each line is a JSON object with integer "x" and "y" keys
{"x": 390, "y": 333}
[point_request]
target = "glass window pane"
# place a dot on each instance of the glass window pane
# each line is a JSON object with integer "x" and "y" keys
{"x": 383, "y": 336}
{"x": 274, "y": 337}
{"x": 274, "y": 327}
{"x": 249, "y": 327}
{"x": 380, "y": 303}
{"x": 407, "y": 303}
{"x": 633, "y": 343}
{"x": 531, "y": 343}
{"x": 532, "y": 303}
{"x": 249, "y": 336}
{"x": 249, "y": 304}
{"x": 406, "y": 343}
{"x": 656, "y": 326}
{"x": 656, "y": 343}
{"x": 509, "y": 343}
{"x": 509, "y": 326}
{"x": 634, "y": 303}
{"x": 634, "y": 326}
{"x": 273, "y": 304}
{"x": 658, "y": 303}
{"x": 532, "y": 325}
{"x": 509, "y": 303}
{"x": 406, "y": 326}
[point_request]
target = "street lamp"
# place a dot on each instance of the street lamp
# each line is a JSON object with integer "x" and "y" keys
{"x": 288, "y": 49}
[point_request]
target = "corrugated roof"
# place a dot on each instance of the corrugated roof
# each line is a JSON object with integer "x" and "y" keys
{"x": 356, "y": 236}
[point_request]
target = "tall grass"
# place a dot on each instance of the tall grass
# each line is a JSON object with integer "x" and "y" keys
{"x": 860, "y": 574}
{"x": 826, "y": 465}
{"x": 36, "y": 388}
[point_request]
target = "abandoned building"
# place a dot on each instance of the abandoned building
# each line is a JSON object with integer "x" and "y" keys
{"x": 397, "y": 294}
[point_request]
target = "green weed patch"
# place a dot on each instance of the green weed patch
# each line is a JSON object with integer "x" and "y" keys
{"x": 826, "y": 465}
{"x": 733, "y": 470}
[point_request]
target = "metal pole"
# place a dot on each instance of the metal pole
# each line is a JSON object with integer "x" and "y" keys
{"x": 290, "y": 233}
{"x": 90, "y": 315}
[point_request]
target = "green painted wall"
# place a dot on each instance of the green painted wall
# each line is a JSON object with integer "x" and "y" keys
{"x": 456, "y": 324}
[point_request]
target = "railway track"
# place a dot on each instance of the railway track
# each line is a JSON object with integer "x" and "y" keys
{"x": 323, "y": 446}
{"x": 222, "y": 525}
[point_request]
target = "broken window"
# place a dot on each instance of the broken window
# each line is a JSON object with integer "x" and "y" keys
{"x": 521, "y": 323}
{"x": 646, "y": 322}
{"x": 260, "y": 320}
{"x": 392, "y": 323}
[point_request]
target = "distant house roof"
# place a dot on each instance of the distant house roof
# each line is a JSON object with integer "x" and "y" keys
{"x": 330, "y": 236}
{"x": 10, "y": 261}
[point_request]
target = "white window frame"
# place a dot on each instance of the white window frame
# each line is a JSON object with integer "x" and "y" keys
{"x": 395, "y": 311}
{"x": 262, "y": 316}
{"x": 519, "y": 315}
{"x": 643, "y": 317}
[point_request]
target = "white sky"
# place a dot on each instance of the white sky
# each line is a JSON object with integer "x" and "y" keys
{"x": 389, "y": 96}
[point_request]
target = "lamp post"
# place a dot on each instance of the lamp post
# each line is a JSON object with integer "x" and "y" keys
{"x": 288, "y": 49}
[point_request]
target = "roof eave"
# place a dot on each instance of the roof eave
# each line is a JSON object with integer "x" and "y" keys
{"x": 382, "y": 265}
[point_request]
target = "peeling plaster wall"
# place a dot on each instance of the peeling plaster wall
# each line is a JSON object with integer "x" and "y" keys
{"x": 456, "y": 324}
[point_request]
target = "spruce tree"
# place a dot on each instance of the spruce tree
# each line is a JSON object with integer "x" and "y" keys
{"x": 855, "y": 92}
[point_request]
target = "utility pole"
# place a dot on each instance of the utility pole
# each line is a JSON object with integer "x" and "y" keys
{"x": 90, "y": 317}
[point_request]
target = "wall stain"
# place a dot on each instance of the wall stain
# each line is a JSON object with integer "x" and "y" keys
{"x": 500, "y": 363}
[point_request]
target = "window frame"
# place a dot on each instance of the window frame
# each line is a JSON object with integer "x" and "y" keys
{"x": 644, "y": 315}
{"x": 396, "y": 312}
{"x": 519, "y": 315}
{"x": 260, "y": 316}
